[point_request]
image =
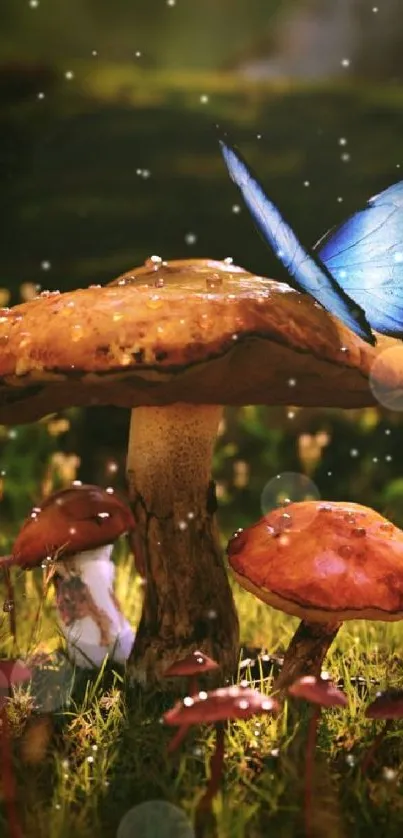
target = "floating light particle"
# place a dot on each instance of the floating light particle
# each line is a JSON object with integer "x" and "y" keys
{"x": 236, "y": 209}
{"x": 345, "y": 62}
{"x": 342, "y": 141}
{"x": 339, "y": 199}
{"x": 307, "y": 182}
{"x": 46, "y": 265}
{"x": 204, "y": 99}
{"x": 69, "y": 75}
{"x": 190, "y": 238}
{"x": 40, "y": 96}
{"x": 345, "y": 158}
{"x": 138, "y": 53}
{"x": 354, "y": 452}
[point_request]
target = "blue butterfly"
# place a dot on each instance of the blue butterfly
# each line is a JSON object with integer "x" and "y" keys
{"x": 355, "y": 270}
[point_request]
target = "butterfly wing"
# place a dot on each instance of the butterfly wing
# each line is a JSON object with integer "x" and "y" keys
{"x": 306, "y": 271}
{"x": 365, "y": 255}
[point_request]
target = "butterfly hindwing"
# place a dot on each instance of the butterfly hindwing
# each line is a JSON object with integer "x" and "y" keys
{"x": 365, "y": 255}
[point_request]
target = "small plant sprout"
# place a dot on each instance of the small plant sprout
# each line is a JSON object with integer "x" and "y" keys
{"x": 192, "y": 667}
{"x": 387, "y": 706}
{"x": 320, "y": 692}
{"x": 175, "y": 342}
{"x": 71, "y": 535}
{"x": 217, "y": 707}
{"x": 12, "y": 673}
{"x": 324, "y": 562}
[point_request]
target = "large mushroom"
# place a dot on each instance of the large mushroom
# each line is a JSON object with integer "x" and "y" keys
{"x": 73, "y": 533}
{"x": 175, "y": 342}
{"x": 325, "y": 563}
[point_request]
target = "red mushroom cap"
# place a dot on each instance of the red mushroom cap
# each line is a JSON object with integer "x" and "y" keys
{"x": 387, "y": 705}
{"x": 323, "y": 562}
{"x": 13, "y": 672}
{"x": 318, "y": 691}
{"x": 193, "y": 664}
{"x": 73, "y": 520}
{"x": 220, "y": 705}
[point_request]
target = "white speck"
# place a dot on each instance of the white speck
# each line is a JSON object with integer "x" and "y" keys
{"x": 90, "y": 759}
{"x": 342, "y": 274}
{"x": 45, "y": 265}
{"x": 171, "y": 3}
{"x": 258, "y": 136}
{"x": 228, "y": 260}
{"x": 190, "y": 238}
{"x": 204, "y": 99}
{"x": 329, "y": 474}
{"x": 354, "y": 452}
{"x": 342, "y": 141}
{"x": 146, "y": 173}
{"x": 375, "y": 10}
{"x": 72, "y": 531}
{"x": 345, "y": 62}
{"x": 236, "y": 209}
{"x": 292, "y": 382}
{"x": 345, "y": 158}
{"x": 389, "y": 773}
{"x": 138, "y": 54}
{"x": 397, "y": 165}
{"x": 182, "y": 525}
{"x": 398, "y": 257}
{"x": 375, "y": 460}
{"x": 103, "y": 515}
{"x": 388, "y": 458}
{"x": 139, "y": 172}
{"x": 188, "y": 701}
{"x": 57, "y": 806}
{"x": 307, "y": 182}
{"x": 291, "y": 414}
{"x": 203, "y": 695}
{"x": 350, "y": 760}
{"x": 12, "y": 434}
{"x": 211, "y": 614}
{"x": 40, "y": 96}
{"x": 34, "y": 4}
{"x": 388, "y": 432}
{"x": 94, "y": 52}
{"x": 77, "y": 483}
{"x": 339, "y": 199}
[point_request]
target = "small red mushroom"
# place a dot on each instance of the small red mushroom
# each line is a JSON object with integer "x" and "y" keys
{"x": 388, "y": 706}
{"x": 193, "y": 665}
{"x": 73, "y": 533}
{"x": 217, "y": 707}
{"x": 320, "y": 692}
{"x": 11, "y": 674}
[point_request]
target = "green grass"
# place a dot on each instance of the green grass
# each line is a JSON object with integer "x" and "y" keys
{"x": 82, "y": 766}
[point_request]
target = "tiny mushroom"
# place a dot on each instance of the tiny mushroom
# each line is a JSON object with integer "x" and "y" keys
{"x": 387, "y": 706}
{"x": 175, "y": 342}
{"x": 324, "y": 562}
{"x": 192, "y": 667}
{"x": 12, "y": 673}
{"x": 217, "y": 707}
{"x": 321, "y": 692}
{"x": 72, "y": 534}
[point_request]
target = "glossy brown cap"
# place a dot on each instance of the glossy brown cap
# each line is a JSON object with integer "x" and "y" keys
{"x": 199, "y": 332}
{"x": 323, "y": 561}
{"x": 220, "y": 705}
{"x": 387, "y": 705}
{"x": 194, "y": 664}
{"x": 319, "y": 691}
{"x": 73, "y": 520}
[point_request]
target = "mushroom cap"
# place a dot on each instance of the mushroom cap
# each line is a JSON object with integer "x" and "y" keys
{"x": 13, "y": 672}
{"x": 220, "y": 705}
{"x": 320, "y": 691}
{"x": 71, "y": 521}
{"x": 323, "y": 562}
{"x": 199, "y": 332}
{"x": 193, "y": 664}
{"x": 386, "y": 705}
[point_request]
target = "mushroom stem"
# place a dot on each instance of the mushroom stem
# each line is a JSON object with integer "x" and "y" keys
{"x": 309, "y": 769}
{"x": 188, "y": 602}
{"x": 7, "y": 771}
{"x": 306, "y": 652}
{"x": 89, "y": 613}
{"x": 214, "y": 783}
{"x": 369, "y": 756}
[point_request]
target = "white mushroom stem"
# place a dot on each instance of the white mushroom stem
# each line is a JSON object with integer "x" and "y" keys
{"x": 88, "y": 611}
{"x": 188, "y": 602}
